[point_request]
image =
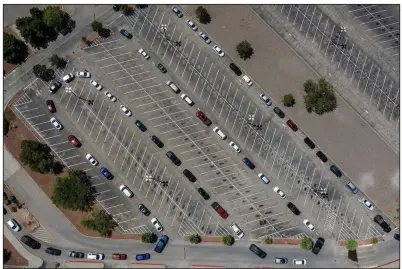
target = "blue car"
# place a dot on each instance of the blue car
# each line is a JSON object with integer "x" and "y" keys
{"x": 143, "y": 257}
{"x": 126, "y": 34}
{"x": 177, "y": 12}
{"x": 248, "y": 163}
{"x": 161, "y": 243}
{"x": 140, "y": 126}
{"x": 106, "y": 173}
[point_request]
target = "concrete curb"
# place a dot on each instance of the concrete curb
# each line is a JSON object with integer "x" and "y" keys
{"x": 363, "y": 243}
{"x": 387, "y": 263}
{"x": 33, "y": 261}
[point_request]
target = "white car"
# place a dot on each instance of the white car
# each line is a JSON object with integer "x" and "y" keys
{"x": 281, "y": 193}
{"x": 143, "y": 53}
{"x": 126, "y": 110}
{"x": 83, "y": 74}
{"x": 14, "y": 225}
{"x": 367, "y": 204}
{"x": 205, "y": 37}
{"x": 192, "y": 25}
{"x": 219, "y": 51}
{"x": 127, "y": 192}
{"x": 263, "y": 178}
{"x": 237, "y": 230}
{"x": 91, "y": 159}
{"x": 299, "y": 262}
{"x": 95, "y": 256}
{"x": 309, "y": 225}
{"x": 219, "y": 132}
{"x": 235, "y": 147}
{"x": 69, "y": 77}
{"x": 111, "y": 96}
{"x": 188, "y": 100}
{"x": 155, "y": 222}
{"x": 266, "y": 99}
{"x": 56, "y": 123}
{"x": 96, "y": 85}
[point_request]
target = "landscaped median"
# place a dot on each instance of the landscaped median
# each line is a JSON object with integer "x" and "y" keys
{"x": 275, "y": 241}
{"x": 365, "y": 242}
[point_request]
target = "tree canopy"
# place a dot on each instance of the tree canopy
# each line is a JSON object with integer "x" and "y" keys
{"x": 202, "y": 15}
{"x": 43, "y": 73}
{"x": 288, "y": 100}
{"x": 101, "y": 222}
{"x": 319, "y": 97}
{"x": 227, "y": 240}
{"x": 96, "y": 26}
{"x": 52, "y": 16}
{"x": 350, "y": 244}
{"x": 148, "y": 237}
{"x": 37, "y": 156}
{"x": 57, "y": 61}
{"x": 194, "y": 238}
{"x": 74, "y": 192}
{"x": 244, "y": 50}
{"x": 15, "y": 50}
{"x": 306, "y": 243}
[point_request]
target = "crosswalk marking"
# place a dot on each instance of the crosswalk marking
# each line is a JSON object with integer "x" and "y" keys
{"x": 41, "y": 234}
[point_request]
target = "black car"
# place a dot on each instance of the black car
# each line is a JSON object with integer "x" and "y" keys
{"x": 144, "y": 210}
{"x": 293, "y": 208}
{"x": 54, "y": 87}
{"x": 126, "y": 34}
{"x": 173, "y": 158}
{"x": 30, "y": 242}
{"x": 116, "y": 7}
{"x": 279, "y": 112}
{"x": 140, "y": 126}
{"x": 335, "y": 170}
{"x": 235, "y": 69}
{"x": 77, "y": 255}
{"x": 396, "y": 237}
{"x": 281, "y": 260}
{"x": 248, "y": 163}
{"x": 53, "y": 251}
{"x": 309, "y": 142}
{"x": 189, "y": 175}
{"x": 385, "y": 226}
{"x": 318, "y": 245}
{"x": 257, "y": 251}
{"x": 4, "y": 211}
{"x": 50, "y": 106}
{"x": 322, "y": 156}
{"x": 203, "y": 193}
{"x": 157, "y": 141}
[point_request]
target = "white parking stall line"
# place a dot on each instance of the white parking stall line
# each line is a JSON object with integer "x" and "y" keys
{"x": 256, "y": 133}
{"x": 188, "y": 60}
{"x": 23, "y": 111}
{"x": 234, "y": 122}
{"x": 202, "y": 131}
{"x": 165, "y": 116}
{"x": 142, "y": 88}
{"x": 309, "y": 186}
{"x": 218, "y": 168}
{"x": 304, "y": 176}
{"x": 187, "y": 126}
{"x": 296, "y": 172}
{"x": 192, "y": 70}
{"x": 86, "y": 170}
{"x": 200, "y": 148}
{"x": 157, "y": 32}
{"x": 116, "y": 70}
{"x": 206, "y": 79}
{"x": 156, "y": 169}
{"x": 146, "y": 171}
{"x": 138, "y": 81}
{"x": 242, "y": 122}
{"x": 64, "y": 150}
{"x": 263, "y": 140}
{"x": 97, "y": 117}
{"x": 276, "y": 152}
{"x": 107, "y": 199}
{"x": 125, "y": 155}
{"x": 160, "y": 43}
{"x": 193, "y": 142}
{"x": 290, "y": 165}
{"x": 259, "y": 201}
{"x": 96, "y": 193}
{"x": 198, "y": 157}
{"x": 94, "y": 53}
{"x": 202, "y": 68}
{"x": 151, "y": 23}
{"x": 219, "y": 94}
{"x": 186, "y": 118}
{"x": 59, "y": 143}
{"x": 171, "y": 199}
{"x": 168, "y": 44}
{"x": 78, "y": 99}
{"x": 156, "y": 193}
{"x": 213, "y": 85}
{"x": 37, "y": 116}
{"x": 102, "y": 123}
{"x": 40, "y": 123}
{"x": 99, "y": 184}
{"x": 358, "y": 229}
{"x": 107, "y": 134}
{"x": 134, "y": 99}
{"x": 242, "y": 197}
{"x": 177, "y": 208}
{"x": 118, "y": 151}
{"x": 47, "y": 138}
{"x": 281, "y": 213}
{"x": 138, "y": 167}
{"x": 212, "y": 161}
{"x": 71, "y": 165}
{"x": 229, "y": 174}
{"x": 316, "y": 196}
{"x": 89, "y": 109}
{"x": 283, "y": 158}
{"x": 69, "y": 95}
{"x": 114, "y": 139}
{"x": 132, "y": 157}
{"x": 121, "y": 213}
{"x": 181, "y": 55}
{"x": 175, "y": 49}
{"x": 71, "y": 157}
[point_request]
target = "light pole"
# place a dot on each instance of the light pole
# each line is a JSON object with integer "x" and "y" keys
{"x": 251, "y": 120}
{"x": 149, "y": 178}
{"x": 164, "y": 28}
{"x": 89, "y": 102}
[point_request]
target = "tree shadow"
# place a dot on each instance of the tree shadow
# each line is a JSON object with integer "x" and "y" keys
{"x": 58, "y": 168}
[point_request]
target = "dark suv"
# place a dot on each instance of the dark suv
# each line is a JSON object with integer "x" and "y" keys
{"x": 335, "y": 170}
{"x": 257, "y": 251}
{"x": 30, "y": 242}
{"x": 189, "y": 175}
{"x": 322, "y": 156}
{"x": 279, "y": 112}
{"x": 235, "y": 69}
{"x": 157, "y": 141}
{"x": 309, "y": 143}
{"x": 55, "y": 86}
{"x": 385, "y": 226}
{"x": 293, "y": 208}
{"x": 53, "y": 251}
{"x": 203, "y": 193}
{"x": 318, "y": 245}
{"x": 173, "y": 158}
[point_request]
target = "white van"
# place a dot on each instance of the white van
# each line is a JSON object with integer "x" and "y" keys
{"x": 173, "y": 86}
{"x": 248, "y": 80}
{"x": 219, "y": 132}
{"x": 127, "y": 192}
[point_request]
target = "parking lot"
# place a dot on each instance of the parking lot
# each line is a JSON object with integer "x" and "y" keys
{"x": 130, "y": 154}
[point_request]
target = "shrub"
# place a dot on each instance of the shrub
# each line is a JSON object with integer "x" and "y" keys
{"x": 227, "y": 240}
{"x": 319, "y": 97}
{"x": 350, "y": 244}
{"x": 12, "y": 198}
{"x": 194, "y": 239}
{"x": 244, "y": 50}
{"x": 306, "y": 243}
{"x": 374, "y": 240}
{"x": 267, "y": 240}
{"x": 6, "y": 127}
{"x": 148, "y": 237}
{"x": 13, "y": 209}
{"x": 288, "y": 100}
{"x": 101, "y": 222}
{"x": 7, "y": 202}
{"x": 202, "y": 15}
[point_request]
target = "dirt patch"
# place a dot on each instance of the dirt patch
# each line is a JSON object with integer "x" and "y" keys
{"x": 16, "y": 258}
{"x": 7, "y": 66}
{"x": 93, "y": 36}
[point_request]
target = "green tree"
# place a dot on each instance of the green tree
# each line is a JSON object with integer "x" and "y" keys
{"x": 6, "y": 126}
{"x": 101, "y": 222}
{"x": 148, "y": 237}
{"x": 36, "y": 13}
{"x": 319, "y": 97}
{"x": 52, "y": 16}
{"x": 202, "y": 15}
{"x": 35, "y": 31}
{"x": 103, "y": 32}
{"x": 350, "y": 244}
{"x": 15, "y": 51}
{"x": 37, "y": 156}
{"x": 74, "y": 192}
{"x": 244, "y": 50}
{"x": 267, "y": 240}
{"x": 43, "y": 73}
{"x": 194, "y": 238}
{"x": 6, "y": 255}
{"x": 306, "y": 243}
{"x": 374, "y": 240}
{"x": 96, "y": 26}
{"x": 58, "y": 61}
{"x": 288, "y": 100}
{"x": 227, "y": 240}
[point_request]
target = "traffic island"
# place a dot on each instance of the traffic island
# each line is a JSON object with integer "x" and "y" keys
{"x": 145, "y": 265}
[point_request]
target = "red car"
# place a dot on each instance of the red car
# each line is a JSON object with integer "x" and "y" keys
{"x": 292, "y": 125}
{"x": 222, "y": 212}
{"x": 203, "y": 118}
{"x": 50, "y": 105}
{"x": 117, "y": 256}
{"x": 74, "y": 140}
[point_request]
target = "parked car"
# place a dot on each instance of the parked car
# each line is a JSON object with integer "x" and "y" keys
{"x": 205, "y": 37}
{"x": 203, "y": 117}
{"x": 266, "y": 100}
{"x": 4, "y": 211}
{"x": 203, "y": 193}
{"x": 144, "y": 210}
{"x": 161, "y": 244}
{"x": 222, "y": 212}
{"x": 281, "y": 260}
{"x": 13, "y": 224}
{"x": 127, "y": 192}
{"x": 143, "y": 257}
{"x": 235, "y": 69}
{"x": 173, "y": 158}
{"x": 126, "y": 34}
{"x": 56, "y": 123}
{"x": 309, "y": 142}
{"x": 111, "y": 96}
{"x": 106, "y": 173}
{"x": 68, "y": 78}
{"x": 189, "y": 175}
{"x": 380, "y": 221}
{"x": 322, "y": 156}
{"x": 187, "y": 99}
{"x": 299, "y": 262}
{"x": 278, "y": 191}
{"x": 309, "y": 225}
{"x": 257, "y": 251}
{"x": 91, "y": 159}
{"x": 279, "y": 112}
{"x": 30, "y": 242}
{"x": 293, "y": 208}
{"x": 77, "y": 255}
{"x": 237, "y": 230}
{"x": 118, "y": 256}
{"x": 160, "y": 67}
{"x": 55, "y": 86}
{"x": 247, "y": 80}
{"x": 50, "y": 106}
{"x": 248, "y": 163}
{"x": 219, "y": 51}
{"x": 292, "y": 125}
{"x": 263, "y": 178}
{"x": 155, "y": 222}
{"x": 352, "y": 187}
{"x": 235, "y": 147}
{"x": 83, "y": 74}
{"x": 74, "y": 140}
{"x": 143, "y": 53}
{"x": 95, "y": 256}
{"x": 173, "y": 86}
{"x": 396, "y": 237}
{"x": 126, "y": 110}
{"x": 157, "y": 141}
{"x": 335, "y": 170}
{"x": 96, "y": 85}
{"x": 53, "y": 251}
{"x": 318, "y": 245}
{"x": 177, "y": 12}
{"x": 192, "y": 25}
{"x": 367, "y": 204}
{"x": 219, "y": 132}
{"x": 140, "y": 126}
